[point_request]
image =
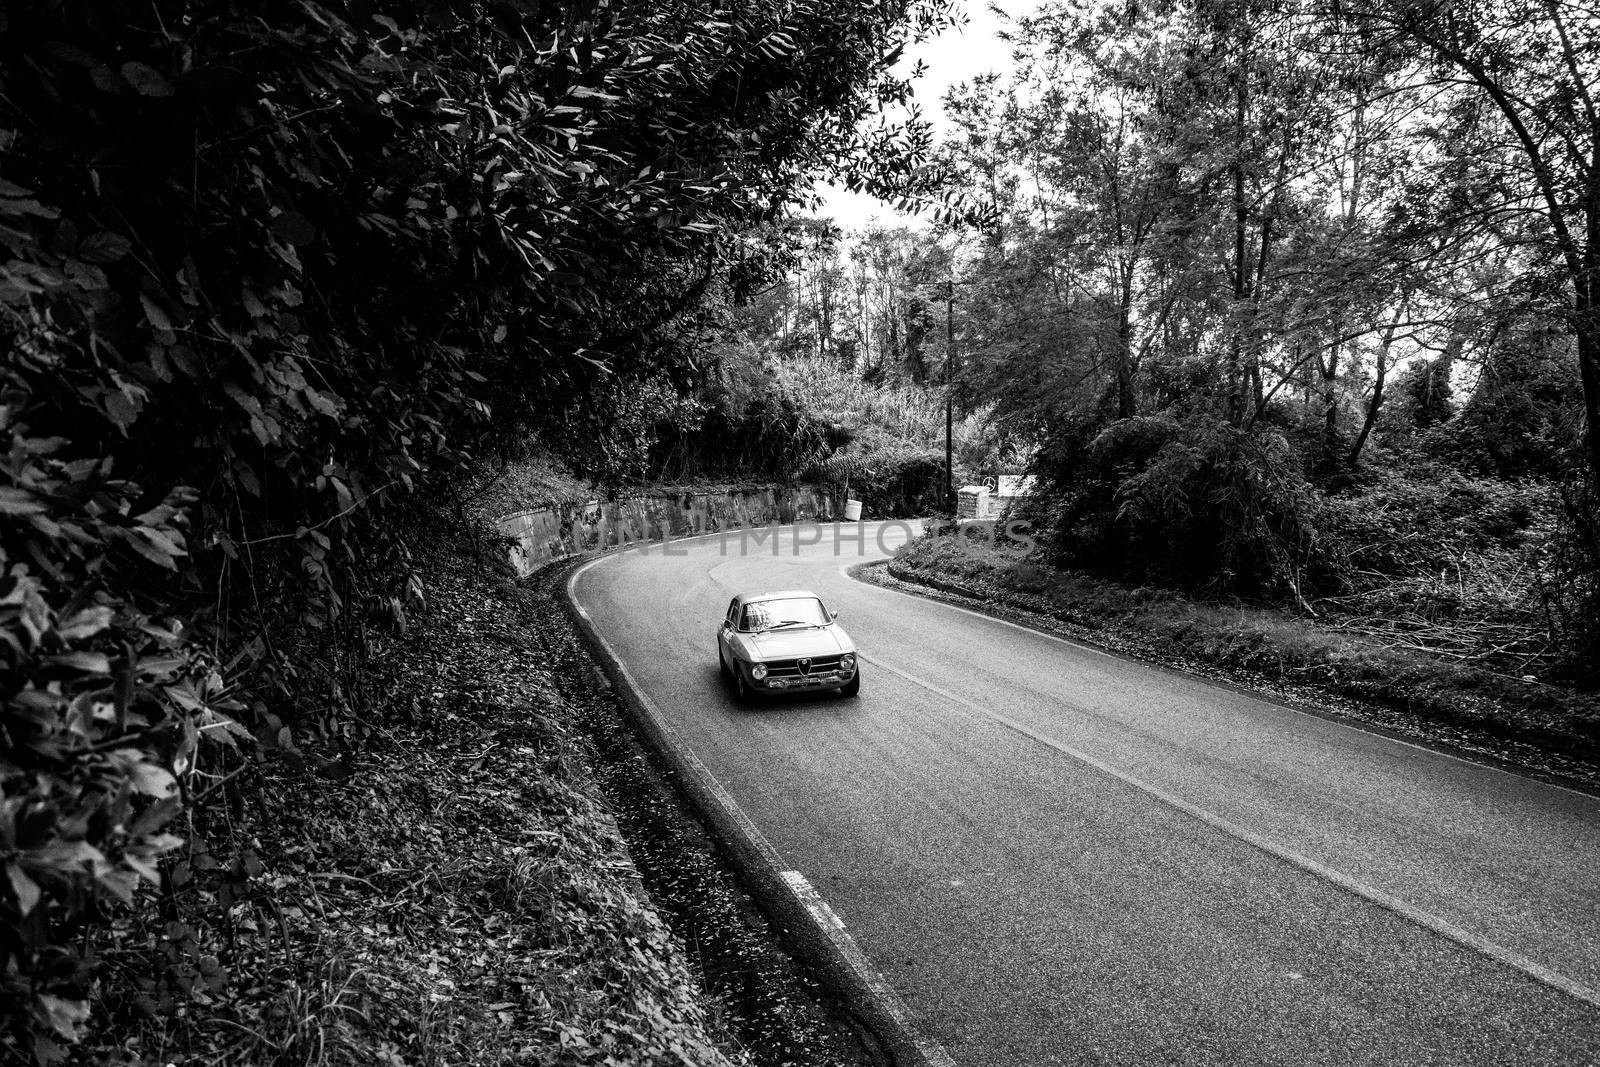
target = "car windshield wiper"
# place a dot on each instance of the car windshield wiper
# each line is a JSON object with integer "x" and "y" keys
{"x": 787, "y": 622}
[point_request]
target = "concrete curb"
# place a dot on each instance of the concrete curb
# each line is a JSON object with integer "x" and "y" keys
{"x": 817, "y": 934}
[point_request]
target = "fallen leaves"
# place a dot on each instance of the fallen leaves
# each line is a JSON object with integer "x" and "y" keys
{"x": 460, "y": 895}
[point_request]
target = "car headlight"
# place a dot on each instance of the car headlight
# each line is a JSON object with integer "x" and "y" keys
{"x": 758, "y": 671}
{"x": 847, "y": 662}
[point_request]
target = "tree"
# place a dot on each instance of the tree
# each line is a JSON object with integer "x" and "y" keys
{"x": 273, "y": 275}
{"x": 1170, "y": 160}
{"x": 1528, "y": 71}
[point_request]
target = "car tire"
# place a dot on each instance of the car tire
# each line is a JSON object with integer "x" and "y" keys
{"x": 742, "y": 693}
{"x": 722, "y": 664}
{"x": 853, "y": 686}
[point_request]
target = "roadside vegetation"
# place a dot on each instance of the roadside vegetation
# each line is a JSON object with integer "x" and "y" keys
{"x": 455, "y": 890}
{"x": 276, "y": 284}
{"x": 1336, "y": 663}
{"x": 496, "y": 876}
{"x": 1294, "y": 309}
{"x": 1285, "y": 309}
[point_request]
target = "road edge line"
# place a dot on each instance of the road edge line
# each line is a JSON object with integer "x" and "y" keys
{"x": 824, "y": 944}
{"x": 1328, "y": 714}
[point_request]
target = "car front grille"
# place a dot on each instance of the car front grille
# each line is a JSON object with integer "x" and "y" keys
{"x": 790, "y": 668}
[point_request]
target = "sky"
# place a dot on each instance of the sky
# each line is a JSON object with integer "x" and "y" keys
{"x": 951, "y": 58}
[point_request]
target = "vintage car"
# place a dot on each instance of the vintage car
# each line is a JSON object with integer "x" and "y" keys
{"x": 785, "y": 641}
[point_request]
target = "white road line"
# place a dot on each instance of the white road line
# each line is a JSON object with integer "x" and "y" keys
{"x": 819, "y": 909}
{"x": 1238, "y": 689}
{"x": 829, "y": 920}
{"x": 844, "y": 569}
{"x": 1500, "y": 954}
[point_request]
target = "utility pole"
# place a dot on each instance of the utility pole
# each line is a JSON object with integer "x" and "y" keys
{"x": 949, "y": 392}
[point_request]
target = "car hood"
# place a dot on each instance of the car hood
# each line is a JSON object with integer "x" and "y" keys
{"x": 792, "y": 644}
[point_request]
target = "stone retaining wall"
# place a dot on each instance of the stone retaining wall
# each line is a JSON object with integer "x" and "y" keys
{"x": 543, "y": 534}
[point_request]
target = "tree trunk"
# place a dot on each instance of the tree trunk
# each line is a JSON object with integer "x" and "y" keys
{"x": 1127, "y": 405}
{"x": 1241, "y": 286}
{"x": 1588, "y": 332}
{"x": 1376, "y": 402}
{"x": 895, "y": 352}
{"x": 1372, "y": 409}
{"x": 1330, "y": 396}
{"x": 1586, "y": 327}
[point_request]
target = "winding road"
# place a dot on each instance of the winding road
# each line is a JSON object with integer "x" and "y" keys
{"x": 1058, "y": 856}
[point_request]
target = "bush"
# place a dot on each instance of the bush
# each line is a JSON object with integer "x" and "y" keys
{"x": 759, "y": 422}
{"x": 1569, "y": 586}
{"x": 1522, "y": 420}
{"x": 1422, "y": 516}
{"x": 1421, "y": 396}
{"x": 902, "y": 481}
{"x": 1193, "y": 504}
{"x": 808, "y": 417}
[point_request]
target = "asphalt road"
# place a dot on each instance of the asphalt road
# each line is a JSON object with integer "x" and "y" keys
{"x": 1058, "y": 856}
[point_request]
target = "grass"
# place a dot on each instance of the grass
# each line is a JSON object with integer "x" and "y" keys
{"x": 1524, "y": 721}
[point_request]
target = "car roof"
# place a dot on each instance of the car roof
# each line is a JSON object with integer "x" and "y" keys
{"x": 780, "y": 594}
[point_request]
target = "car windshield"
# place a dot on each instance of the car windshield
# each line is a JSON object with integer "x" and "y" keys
{"x": 789, "y": 613}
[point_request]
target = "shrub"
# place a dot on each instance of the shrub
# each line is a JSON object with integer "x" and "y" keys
{"x": 1193, "y": 504}
{"x": 1522, "y": 420}
{"x": 1422, "y": 396}
{"x": 808, "y": 417}
{"x": 1569, "y": 585}
{"x": 1420, "y": 516}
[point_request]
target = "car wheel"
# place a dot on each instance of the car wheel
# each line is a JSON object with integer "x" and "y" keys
{"x": 741, "y": 689}
{"x": 853, "y": 686}
{"x": 722, "y": 664}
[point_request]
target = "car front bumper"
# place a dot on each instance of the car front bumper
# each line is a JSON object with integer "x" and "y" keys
{"x": 824, "y": 680}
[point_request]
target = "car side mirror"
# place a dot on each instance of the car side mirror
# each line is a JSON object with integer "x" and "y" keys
{"x": 726, "y": 625}
{"x": 833, "y": 613}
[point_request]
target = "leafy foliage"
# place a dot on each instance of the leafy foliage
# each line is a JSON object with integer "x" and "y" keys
{"x": 267, "y": 278}
{"x": 1519, "y": 421}
{"x": 1466, "y": 565}
{"x": 879, "y": 442}
{"x": 1251, "y": 259}
{"x": 455, "y": 892}
{"x": 1189, "y": 504}
{"x": 1424, "y": 392}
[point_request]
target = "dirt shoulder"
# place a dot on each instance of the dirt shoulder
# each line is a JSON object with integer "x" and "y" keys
{"x": 1543, "y": 730}
{"x": 495, "y": 874}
